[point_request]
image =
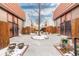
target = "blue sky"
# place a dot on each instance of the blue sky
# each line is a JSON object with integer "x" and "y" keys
{"x": 31, "y": 10}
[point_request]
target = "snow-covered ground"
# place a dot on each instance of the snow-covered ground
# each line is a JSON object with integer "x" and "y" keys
{"x": 39, "y": 47}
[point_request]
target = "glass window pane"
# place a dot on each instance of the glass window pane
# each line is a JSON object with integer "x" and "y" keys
{"x": 63, "y": 19}
{"x": 75, "y": 13}
{"x": 20, "y": 25}
{"x": 3, "y": 15}
{"x": 68, "y": 16}
{"x": 10, "y": 17}
{"x": 15, "y": 20}
{"x": 68, "y": 27}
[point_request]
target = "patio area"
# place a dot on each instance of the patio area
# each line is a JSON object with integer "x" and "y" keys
{"x": 39, "y": 47}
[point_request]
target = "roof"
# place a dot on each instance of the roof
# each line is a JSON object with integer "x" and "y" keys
{"x": 14, "y": 8}
{"x": 63, "y": 8}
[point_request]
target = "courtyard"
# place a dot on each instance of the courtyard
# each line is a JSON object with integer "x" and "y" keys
{"x": 39, "y": 47}
{"x": 39, "y": 29}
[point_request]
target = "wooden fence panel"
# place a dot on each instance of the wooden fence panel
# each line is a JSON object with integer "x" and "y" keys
{"x": 4, "y": 34}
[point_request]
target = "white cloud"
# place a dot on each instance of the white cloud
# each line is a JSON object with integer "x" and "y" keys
{"x": 46, "y": 11}
{"x": 34, "y": 12}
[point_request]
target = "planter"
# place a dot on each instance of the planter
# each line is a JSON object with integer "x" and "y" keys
{"x": 10, "y": 49}
{"x": 21, "y": 45}
{"x": 64, "y": 41}
{"x": 12, "y": 46}
{"x": 9, "y": 52}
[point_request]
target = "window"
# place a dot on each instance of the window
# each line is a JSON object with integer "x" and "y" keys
{"x": 10, "y": 17}
{"x": 15, "y": 26}
{"x": 68, "y": 16}
{"x": 20, "y": 25}
{"x": 68, "y": 27}
{"x": 55, "y": 23}
{"x": 63, "y": 19}
{"x": 62, "y": 28}
{"x": 75, "y": 13}
{"x": 3, "y": 15}
{"x": 11, "y": 29}
{"x": 15, "y": 29}
{"x": 15, "y": 20}
{"x": 62, "y": 25}
{"x": 58, "y": 22}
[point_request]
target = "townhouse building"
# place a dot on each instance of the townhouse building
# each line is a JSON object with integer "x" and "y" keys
{"x": 11, "y": 22}
{"x": 66, "y": 19}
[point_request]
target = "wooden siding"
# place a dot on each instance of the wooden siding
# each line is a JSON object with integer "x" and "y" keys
{"x": 4, "y": 34}
{"x": 75, "y": 28}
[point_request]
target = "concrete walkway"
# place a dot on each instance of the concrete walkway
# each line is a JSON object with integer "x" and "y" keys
{"x": 39, "y": 47}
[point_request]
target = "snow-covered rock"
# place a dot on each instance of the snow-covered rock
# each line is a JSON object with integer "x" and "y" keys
{"x": 41, "y": 37}
{"x": 17, "y": 52}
